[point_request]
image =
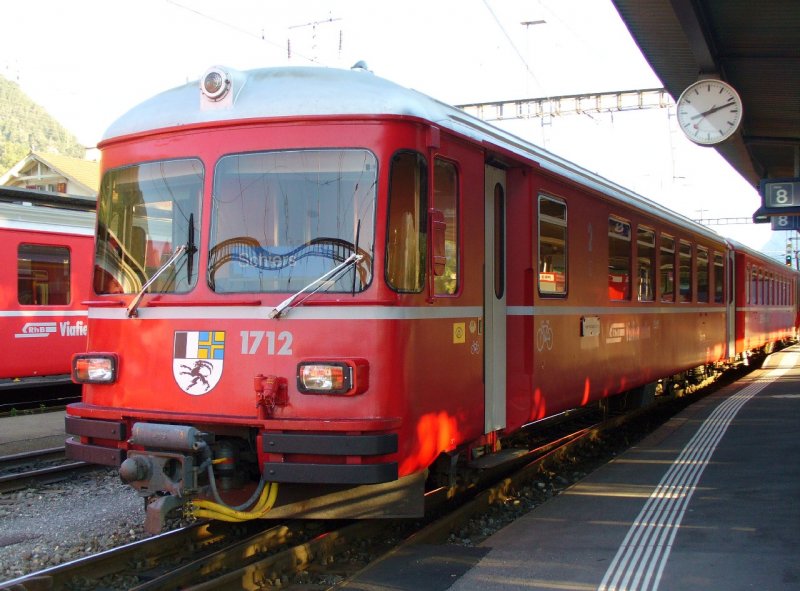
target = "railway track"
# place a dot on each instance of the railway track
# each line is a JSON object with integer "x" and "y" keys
{"x": 19, "y": 471}
{"x": 317, "y": 555}
{"x": 256, "y": 555}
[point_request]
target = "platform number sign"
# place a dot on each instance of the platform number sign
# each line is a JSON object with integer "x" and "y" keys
{"x": 780, "y": 194}
{"x": 785, "y": 222}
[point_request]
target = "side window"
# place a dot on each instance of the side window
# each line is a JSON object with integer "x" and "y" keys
{"x": 770, "y": 280}
{"x": 702, "y": 275}
{"x": 747, "y": 287}
{"x": 445, "y": 199}
{"x": 760, "y": 287}
{"x": 685, "y": 271}
{"x": 753, "y": 286}
{"x": 719, "y": 278}
{"x": 552, "y": 246}
{"x": 406, "y": 232}
{"x": 43, "y": 275}
{"x": 646, "y": 261}
{"x": 667, "y": 268}
{"x": 619, "y": 259}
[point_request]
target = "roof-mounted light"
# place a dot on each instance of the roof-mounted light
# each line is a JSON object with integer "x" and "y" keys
{"x": 215, "y": 84}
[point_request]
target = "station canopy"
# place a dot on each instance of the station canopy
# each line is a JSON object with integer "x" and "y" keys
{"x": 754, "y": 46}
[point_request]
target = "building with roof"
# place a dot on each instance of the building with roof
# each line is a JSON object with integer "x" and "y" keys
{"x": 55, "y": 173}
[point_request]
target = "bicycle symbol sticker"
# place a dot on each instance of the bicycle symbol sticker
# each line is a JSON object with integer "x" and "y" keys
{"x": 544, "y": 336}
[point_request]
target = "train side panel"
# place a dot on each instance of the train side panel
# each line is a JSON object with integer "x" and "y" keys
{"x": 46, "y": 278}
{"x": 766, "y": 301}
{"x": 596, "y": 308}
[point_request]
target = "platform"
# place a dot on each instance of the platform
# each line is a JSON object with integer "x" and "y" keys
{"x": 709, "y": 501}
{"x": 29, "y": 432}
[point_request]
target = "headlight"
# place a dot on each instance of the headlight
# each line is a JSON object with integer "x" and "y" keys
{"x": 215, "y": 83}
{"x": 346, "y": 378}
{"x": 94, "y": 368}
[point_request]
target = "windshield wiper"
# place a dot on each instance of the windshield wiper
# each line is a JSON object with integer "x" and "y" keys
{"x": 135, "y": 302}
{"x": 351, "y": 260}
{"x": 191, "y": 249}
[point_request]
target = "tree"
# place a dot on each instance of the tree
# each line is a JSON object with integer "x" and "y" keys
{"x": 25, "y": 126}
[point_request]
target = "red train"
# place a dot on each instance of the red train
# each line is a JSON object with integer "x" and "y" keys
{"x": 47, "y": 241}
{"x": 766, "y": 300}
{"x": 318, "y": 280}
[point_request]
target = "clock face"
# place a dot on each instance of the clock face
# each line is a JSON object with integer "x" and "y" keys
{"x": 709, "y": 112}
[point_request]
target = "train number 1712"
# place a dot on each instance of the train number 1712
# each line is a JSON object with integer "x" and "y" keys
{"x": 280, "y": 344}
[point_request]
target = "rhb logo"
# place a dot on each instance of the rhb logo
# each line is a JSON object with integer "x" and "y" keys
{"x": 39, "y": 330}
{"x": 197, "y": 358}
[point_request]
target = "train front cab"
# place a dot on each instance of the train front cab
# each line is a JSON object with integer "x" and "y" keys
{"x": 407, "y": 323}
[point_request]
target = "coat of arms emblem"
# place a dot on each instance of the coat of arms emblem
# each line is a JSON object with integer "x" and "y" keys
{"x": 197, "y": 360}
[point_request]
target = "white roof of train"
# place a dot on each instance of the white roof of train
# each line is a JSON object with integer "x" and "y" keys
{"x": 35, "y": 218}
{"x": 300, "y": 91}
{"x": 753, "y": 253}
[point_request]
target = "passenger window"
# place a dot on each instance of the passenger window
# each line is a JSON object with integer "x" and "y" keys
{"x": 770, "y": 289}
{"x": 619, "y": 259}
{"x": 767, "y": 289}
{"x": 719, "y": 278}
{"x": 702, "y": 275}
{"x": 43, "y": 275}
{"x": 445, "y": 199}
{"x": 685, "y": 271}
{"x": 753, "y": 286}
{"x": 408, "y": 203}
{"x": 667, "y": 268}
{"x": 646, "y": 259}
{"x": 552, "y": 246}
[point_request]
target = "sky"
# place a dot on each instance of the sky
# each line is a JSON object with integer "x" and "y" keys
{"x": 88, "y": 61}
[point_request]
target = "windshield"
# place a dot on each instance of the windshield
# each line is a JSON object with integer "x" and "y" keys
{"x": 281, "y": 220}
{"x": 144, "y": 213}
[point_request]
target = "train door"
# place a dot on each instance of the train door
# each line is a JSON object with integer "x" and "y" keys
{"x": 495, "y": 300}
{"x": 730, "y": 306}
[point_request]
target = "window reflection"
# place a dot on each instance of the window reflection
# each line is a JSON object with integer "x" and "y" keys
{"x": 281, "y": 220}
{"x": 144, "y": 213}
{"x": 552, "y": 246}
{"x": 406, "y": 231}
{"x": 43, "y": 275}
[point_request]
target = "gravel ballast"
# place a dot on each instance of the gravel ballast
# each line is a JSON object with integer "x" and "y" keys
{"x": 56, "y": 523}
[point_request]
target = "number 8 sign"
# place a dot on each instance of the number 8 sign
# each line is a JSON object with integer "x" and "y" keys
{"x": 781, "y": 194}
{"x": 785, "y": 222}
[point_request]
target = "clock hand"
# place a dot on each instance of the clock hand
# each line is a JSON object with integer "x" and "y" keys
{"x": 713, "y": 109}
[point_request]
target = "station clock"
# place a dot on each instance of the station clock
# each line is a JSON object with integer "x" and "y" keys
{"x": 709, "y": 111}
